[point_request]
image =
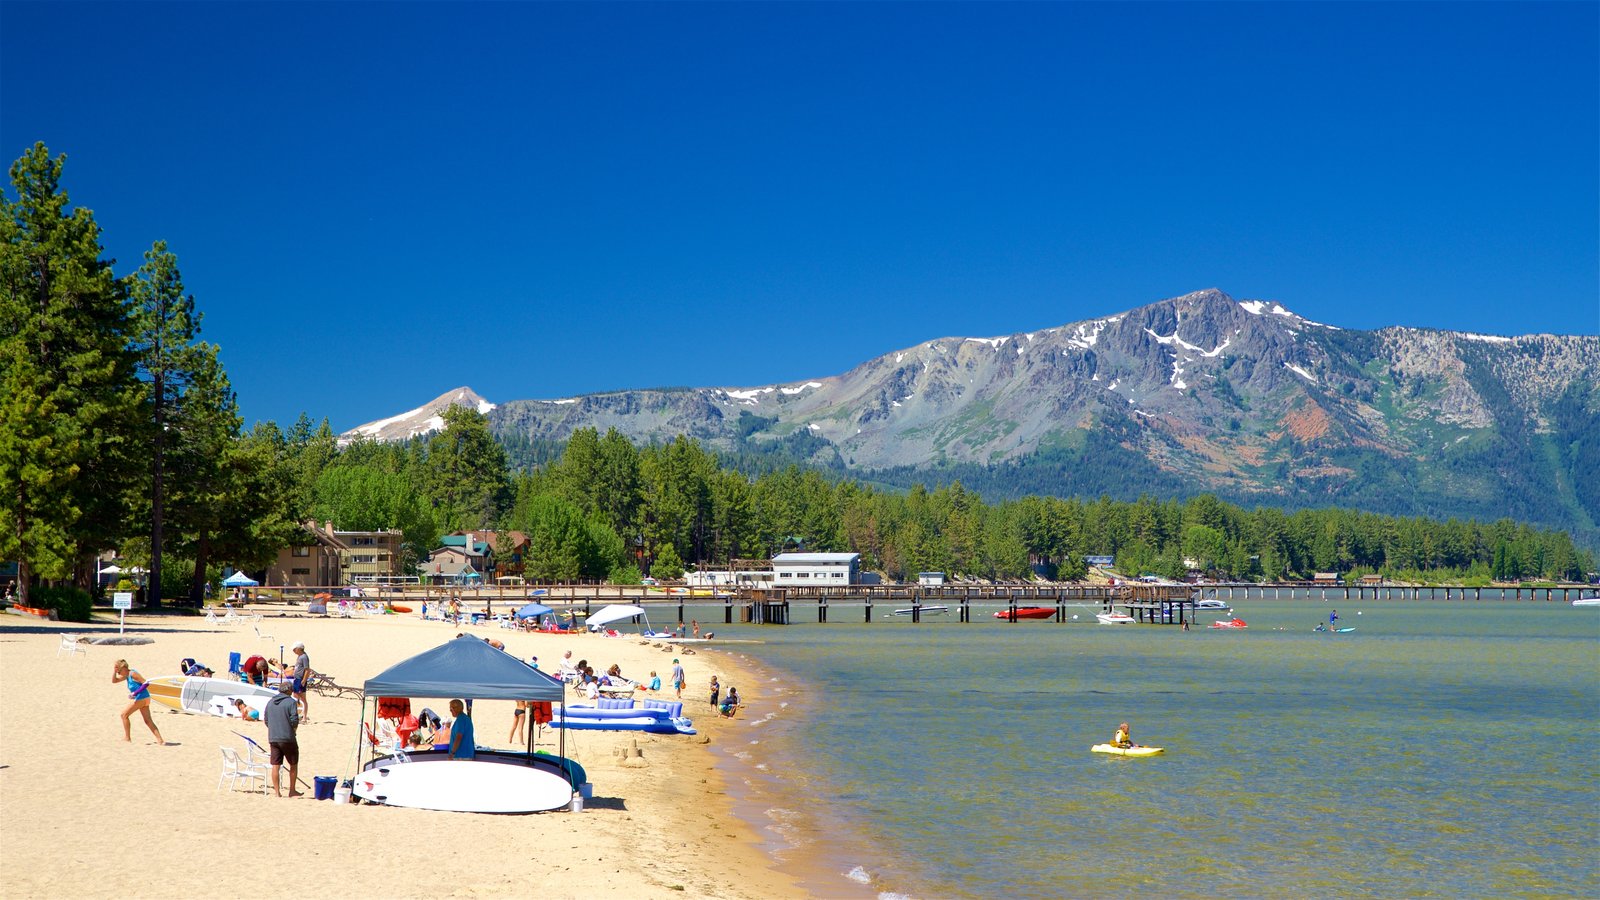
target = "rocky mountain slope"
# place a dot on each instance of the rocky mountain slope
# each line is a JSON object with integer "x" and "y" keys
{"x": 1196, "y": 393}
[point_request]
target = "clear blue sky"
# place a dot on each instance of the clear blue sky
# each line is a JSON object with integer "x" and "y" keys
{"x": 375, "y": 203}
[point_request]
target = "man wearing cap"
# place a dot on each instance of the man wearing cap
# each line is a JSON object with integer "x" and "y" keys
{"x": 302, "y": 674}
{"x": 283, "y": 718}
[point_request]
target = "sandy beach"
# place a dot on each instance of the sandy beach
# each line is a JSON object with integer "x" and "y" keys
{"x": 89, "y": 815}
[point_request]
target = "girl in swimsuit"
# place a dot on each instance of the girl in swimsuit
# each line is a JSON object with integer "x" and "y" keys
{"x": 138, "y": 699}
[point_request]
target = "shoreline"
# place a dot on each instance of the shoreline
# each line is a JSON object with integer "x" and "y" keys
{"x": 673, "y": 828}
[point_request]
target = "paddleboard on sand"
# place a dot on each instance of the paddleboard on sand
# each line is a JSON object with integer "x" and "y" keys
{"x": 208, "y": 696}
{"x": 464, "y": 785}
{"x": 1127, "y": 751}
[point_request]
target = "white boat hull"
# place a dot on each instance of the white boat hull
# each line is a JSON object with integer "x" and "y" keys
{"x": 464, "y": 785}
{"x": 1114, "y": 619}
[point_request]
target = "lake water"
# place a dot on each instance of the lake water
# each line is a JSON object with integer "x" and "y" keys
{"x": 1443, "y": 749}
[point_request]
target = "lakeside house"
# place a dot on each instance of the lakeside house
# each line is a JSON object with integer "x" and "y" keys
{"x": 371, "y": 555}
{"x": 315, "y": 559}
{"x": 468, "y": 555}
{"x": 816, "y": 569}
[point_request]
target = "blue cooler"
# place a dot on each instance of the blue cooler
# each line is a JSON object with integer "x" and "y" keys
{"x": 322, "y": 787}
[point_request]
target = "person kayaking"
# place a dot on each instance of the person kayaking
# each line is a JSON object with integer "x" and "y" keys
{"x": 1124, "y": 738}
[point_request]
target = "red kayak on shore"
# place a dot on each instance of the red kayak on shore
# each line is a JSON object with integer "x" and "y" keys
{"x": 1027, "y": 612}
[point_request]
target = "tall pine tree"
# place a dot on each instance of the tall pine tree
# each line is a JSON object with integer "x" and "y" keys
{"x": 165, "y": 327}
{"x": 68, "y": 395}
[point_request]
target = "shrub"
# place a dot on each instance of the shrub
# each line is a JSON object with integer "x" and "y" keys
{"x": 70, "y": 603}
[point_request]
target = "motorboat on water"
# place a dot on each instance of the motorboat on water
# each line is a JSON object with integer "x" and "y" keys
{"x": 1114, "y": 618}
{"x": 1027, "y": 612}
{"x": 1587, "y": 600}
{"x": 926, "y": 610}
{"x": 1213, "y": 603}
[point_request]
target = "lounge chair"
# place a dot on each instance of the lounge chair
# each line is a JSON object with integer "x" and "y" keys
{"x": 71, "y": 644}
{"x": 323, "y": 684}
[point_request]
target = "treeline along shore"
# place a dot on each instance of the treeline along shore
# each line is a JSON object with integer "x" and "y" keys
{"x": 119, "y": 430}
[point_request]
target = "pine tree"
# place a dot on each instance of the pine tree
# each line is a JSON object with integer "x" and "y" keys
{"x": 465, "y": 472}
{"x": 165, "y": 327}
{"x": 68, "y": 397}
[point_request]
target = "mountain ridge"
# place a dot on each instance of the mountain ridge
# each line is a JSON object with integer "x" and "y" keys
{"x": 1195, "y": 393}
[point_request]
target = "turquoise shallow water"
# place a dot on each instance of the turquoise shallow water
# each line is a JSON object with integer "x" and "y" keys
{"x": 1441, "y": 750}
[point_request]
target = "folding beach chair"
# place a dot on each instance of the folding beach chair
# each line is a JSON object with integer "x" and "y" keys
{"x": 70, "y": 644}
{"x": 235, "y": 666}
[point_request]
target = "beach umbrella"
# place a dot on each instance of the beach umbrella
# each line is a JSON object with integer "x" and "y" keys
{"x": 533, "y": 610}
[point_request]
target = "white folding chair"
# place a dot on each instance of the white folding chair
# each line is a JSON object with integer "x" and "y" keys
{"x": 235, "y": 769}
{"x": 211, "y": 617}
{"x": 259, "y": 635}
{"x": 70, "y": 644}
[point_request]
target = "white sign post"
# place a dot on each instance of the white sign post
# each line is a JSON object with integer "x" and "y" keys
{"x": 122, "y": 601}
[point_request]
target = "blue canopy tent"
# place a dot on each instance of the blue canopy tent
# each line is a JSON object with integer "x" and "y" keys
{"x": 240, "y": 579}
{"x": 533, "y": 611}
{"x": 469, "y": 669}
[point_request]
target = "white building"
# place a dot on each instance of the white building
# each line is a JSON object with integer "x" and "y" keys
{"x": 930, "y": 579}
{"x": 816, "y": 569}
{"x": 721, "y": 578}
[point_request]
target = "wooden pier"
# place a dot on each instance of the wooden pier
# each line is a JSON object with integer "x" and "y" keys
{"x": 1167, "y": 604}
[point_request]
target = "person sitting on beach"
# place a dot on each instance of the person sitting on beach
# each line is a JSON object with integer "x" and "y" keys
{"x": 1124, "y": 738}
{"x": 245, "y": 712}
{"x": 655, "y": 682}
{"x": 199, "y": 670}
{"x": 730, "y": 703}
{"x": 440, "y": 738}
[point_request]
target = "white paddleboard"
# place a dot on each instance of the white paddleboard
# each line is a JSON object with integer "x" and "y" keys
{"x": 208, "y": 696}
{"x": 464, "y": 785}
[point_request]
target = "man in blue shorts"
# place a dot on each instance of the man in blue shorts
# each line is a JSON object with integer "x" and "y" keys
{"x": 302, "y": 675}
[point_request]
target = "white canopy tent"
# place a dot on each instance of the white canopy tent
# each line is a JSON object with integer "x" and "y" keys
{"x": 617, "y": 612}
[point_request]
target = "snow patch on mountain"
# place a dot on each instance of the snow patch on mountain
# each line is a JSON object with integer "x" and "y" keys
{"x": 1483, "y": 338}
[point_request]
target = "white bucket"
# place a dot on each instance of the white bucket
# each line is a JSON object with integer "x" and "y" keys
{"x": 577, "y": 803}
{"x": 341, "y": 795}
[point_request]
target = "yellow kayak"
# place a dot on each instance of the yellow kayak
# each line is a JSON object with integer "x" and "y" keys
{"x": 1126, "y": 751}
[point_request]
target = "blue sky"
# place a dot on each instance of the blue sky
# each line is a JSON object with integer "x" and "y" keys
{"x": 375, "y": 203}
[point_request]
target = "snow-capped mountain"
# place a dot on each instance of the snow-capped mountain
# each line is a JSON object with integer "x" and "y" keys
{"x": 425, "y": 418}
{"x": 1195, "y": 393}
